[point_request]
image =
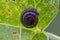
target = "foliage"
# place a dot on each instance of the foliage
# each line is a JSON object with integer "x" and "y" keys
{"x": 10, "y": 12}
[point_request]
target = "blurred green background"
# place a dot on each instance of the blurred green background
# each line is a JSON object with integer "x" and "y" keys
{"x": 54, "y": 27}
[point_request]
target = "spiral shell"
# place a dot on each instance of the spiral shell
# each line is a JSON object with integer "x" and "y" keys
{"x": 29, "y": 17}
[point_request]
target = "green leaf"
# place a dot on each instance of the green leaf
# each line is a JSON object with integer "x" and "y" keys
{"x": 8, "y": 33}
{"x": 10, "y": 12}
{"x": 52, "y": 36}
{"x": 40, "y": 36}
{"x": 12, "y": 33}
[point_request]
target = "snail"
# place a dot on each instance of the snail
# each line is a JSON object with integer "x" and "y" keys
{"x": 29, "y": 17}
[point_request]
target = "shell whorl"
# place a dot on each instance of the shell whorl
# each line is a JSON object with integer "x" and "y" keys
{"x": 29, "y": 17}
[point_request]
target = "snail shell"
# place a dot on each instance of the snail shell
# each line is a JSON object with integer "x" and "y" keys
{"x": 29, "y": 17}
